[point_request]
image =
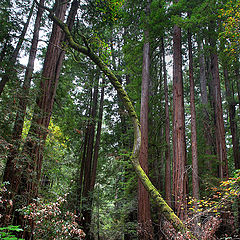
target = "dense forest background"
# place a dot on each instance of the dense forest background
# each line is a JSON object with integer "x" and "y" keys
{"x": 119, "y": 119}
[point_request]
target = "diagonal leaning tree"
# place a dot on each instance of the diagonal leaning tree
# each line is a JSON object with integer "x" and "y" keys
{"x": 165, "y": 210}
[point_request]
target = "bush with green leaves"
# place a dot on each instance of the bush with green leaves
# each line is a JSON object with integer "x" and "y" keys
{"x": 6, "y": 232}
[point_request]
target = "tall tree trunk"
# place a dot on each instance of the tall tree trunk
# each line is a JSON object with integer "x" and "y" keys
{"x": 232, "y": 118}
{"x": 233, "y": 125}
{"x": 168, "y": 192}
{"x": 96, "y": 150}
{"x": 195, "y": 180}
{"x": 204, "y": 99}
{"x": 23, "y": 100}
{"x": 29, "y": 172}
{"x": 13, "y": 58}
{"x": 43, "y": 110}
{"x": 217, "y": 99}
{"x": 48, "y": 86}
{"x": 238, "y": 81}
{"x": 86, "y": 211}
{"x": 179, "y": 144}
{"x": 145, "y": 231}
{"x": 97, "y": 142}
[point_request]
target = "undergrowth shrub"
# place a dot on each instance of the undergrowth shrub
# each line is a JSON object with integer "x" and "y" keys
{"x": 49, "y": 220}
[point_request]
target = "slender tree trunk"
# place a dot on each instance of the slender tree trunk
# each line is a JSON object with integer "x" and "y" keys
{"x": 168, "y": 192}
{"x": 11, "y": 174}
{"x": 179, "y": 144}
{"x": 238, "y": 82}
{"x": 96, "y": 150}
{"x": 217, "y": 99}
{"x": 236, "y": 139}
{"x": 233, "y": 125}
{"x": 195, "y": 180}
{"x": 204, "y": 99}
{"x": 232, "y": 118}
{"x": 145, "y": 231}
{"x": 23, "y": 100}
{"x": 97, "y": 142}
{"x": 13, "y": 58}
{"x": 88, "y": 166}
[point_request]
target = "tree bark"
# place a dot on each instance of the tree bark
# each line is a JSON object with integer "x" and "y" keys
{"x": 145, "y": 230}
{"x": 168, "y": 192}
{"x": 232, "y": 118}
{"x": 237, "y": 80}
{"x": 217, "y": 99}
{"x": 195, "y": 180}
{"x": 98, "y": 135}
{"x": 179, "y": 144}
{"x": 13, "y": 58}
{"x": 204, "y": 99}
{"x": 29, "y": 172}
{"x": 43, "y": 110}
{"x": 87, "y": 202}
{"x": 23, "y": 100}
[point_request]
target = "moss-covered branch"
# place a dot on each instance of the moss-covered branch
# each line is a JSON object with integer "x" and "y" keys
{"x": 163, "y": 206}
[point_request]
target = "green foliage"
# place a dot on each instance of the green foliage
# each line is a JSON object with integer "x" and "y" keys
{"x": 6, "y": 232}
{"x": 231, "y": 19}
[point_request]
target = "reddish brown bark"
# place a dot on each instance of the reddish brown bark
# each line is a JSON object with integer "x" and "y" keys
{"x": 43, "y": 110}
{"x": 86, "y": 211}
{"x": 145, "y": 231}
{"x": 11, "y": 173}
{"x": 28, "y": 175}
{"x": 179, "y": 144}
{"x": 23, "y": 99}
{"x": 195, "y": 180}
{"x": 168, "y": 192}
{"x": 217, "y": 100}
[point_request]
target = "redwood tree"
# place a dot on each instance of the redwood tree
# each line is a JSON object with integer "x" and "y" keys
{"x": 218, "y": 111}
{"x": 179, "y": 144}
{"x": 208, "y": 135}
{"x": 25, "y": 177}
{"x": 195, "y": 180}
{"x": 23, "y": 98}
{"x": 144, "y": 213}
{"x": 167, "y": 133}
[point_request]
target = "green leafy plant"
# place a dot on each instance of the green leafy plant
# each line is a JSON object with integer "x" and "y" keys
{"x": 6, "y": 232}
